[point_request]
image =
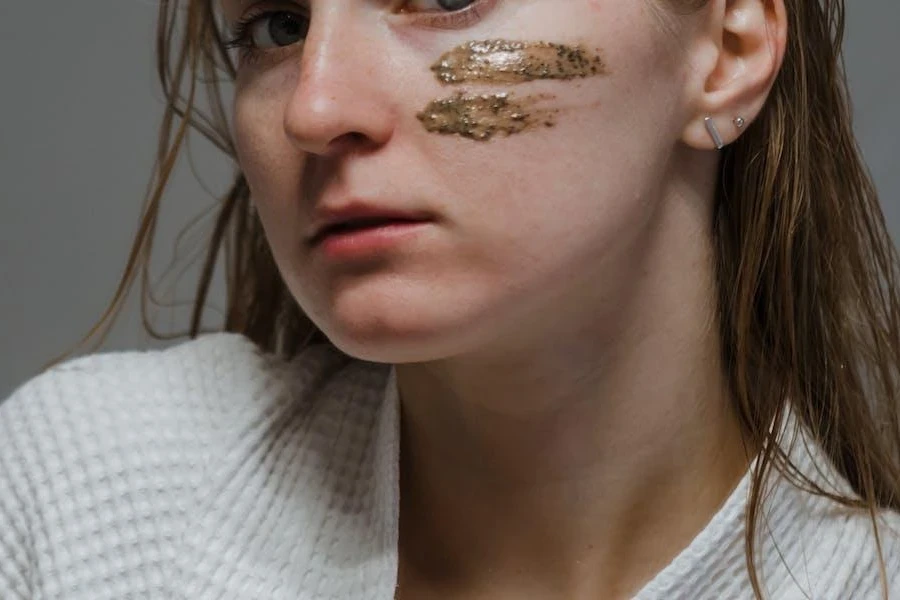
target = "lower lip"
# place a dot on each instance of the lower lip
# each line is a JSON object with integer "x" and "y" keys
{"x": 367, "y": 242}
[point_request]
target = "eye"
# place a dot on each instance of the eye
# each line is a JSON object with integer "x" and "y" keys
{"x": 448, "y": 5}
{"x": 269, "y": 29}
{"x": 278, "y": 29}
{"x": 449, "y": 14}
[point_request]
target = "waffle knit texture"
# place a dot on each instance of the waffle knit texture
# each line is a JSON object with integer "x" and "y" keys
{"x": 210, "y": 470}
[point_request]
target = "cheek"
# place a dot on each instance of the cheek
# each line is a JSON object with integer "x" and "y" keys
{"x": 272, "y": 179}
{"x": 258, "y": 137}
{"x": 610, "y": 142}
{"x": 584, "y": 180}
{"x": 270, "y": 163}
{"x": 260, "y": 100}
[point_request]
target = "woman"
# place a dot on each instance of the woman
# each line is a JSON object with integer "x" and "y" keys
{"x": 528, "y": 299}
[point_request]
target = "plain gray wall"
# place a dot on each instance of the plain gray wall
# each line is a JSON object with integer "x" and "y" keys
{"x": 78, "y": 116}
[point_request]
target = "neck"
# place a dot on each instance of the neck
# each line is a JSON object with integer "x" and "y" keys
{"x": 556, "y": 471}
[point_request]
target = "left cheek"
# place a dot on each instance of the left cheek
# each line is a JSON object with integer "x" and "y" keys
{"x": 519, "y": 166}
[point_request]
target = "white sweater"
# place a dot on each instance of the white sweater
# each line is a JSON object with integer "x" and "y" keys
{"x": 212, "y": 471}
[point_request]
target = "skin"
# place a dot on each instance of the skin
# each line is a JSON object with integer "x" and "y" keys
{"x": 566, "y": 424}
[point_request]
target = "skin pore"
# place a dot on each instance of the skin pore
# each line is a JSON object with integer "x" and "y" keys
{"x": 566, "y": 427}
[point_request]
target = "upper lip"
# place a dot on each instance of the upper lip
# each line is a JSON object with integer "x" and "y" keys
{"x": 328, "y": 217}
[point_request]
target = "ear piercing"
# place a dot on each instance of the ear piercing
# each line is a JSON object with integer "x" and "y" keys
{"x": 739, "y": 122}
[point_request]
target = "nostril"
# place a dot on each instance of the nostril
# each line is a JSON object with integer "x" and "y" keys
{"x": 348, "y": 142}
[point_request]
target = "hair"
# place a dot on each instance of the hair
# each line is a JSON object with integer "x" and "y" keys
{"x": 807, "y": 275}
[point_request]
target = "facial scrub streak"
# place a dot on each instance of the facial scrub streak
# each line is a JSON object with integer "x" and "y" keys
{"x": 481, "y": 116}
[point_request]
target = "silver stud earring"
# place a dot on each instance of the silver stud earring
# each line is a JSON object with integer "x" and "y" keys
{"x": 714, "y": 133}
{"x": 739, "y": 122}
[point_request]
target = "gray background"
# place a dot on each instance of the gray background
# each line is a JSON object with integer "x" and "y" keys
{"x": 78, "y": 115}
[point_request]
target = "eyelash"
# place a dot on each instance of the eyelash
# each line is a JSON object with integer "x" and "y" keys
{"x": 240, "y": 34}
{"x": 454, "y": 20}
{"x": 241, "y": 39}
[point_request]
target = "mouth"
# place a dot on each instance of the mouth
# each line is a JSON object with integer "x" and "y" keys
{"x": 360, "y": 225}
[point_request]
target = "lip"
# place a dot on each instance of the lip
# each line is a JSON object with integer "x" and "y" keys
{"x": 327, "y": 217}
{"x": 370, "y": 242}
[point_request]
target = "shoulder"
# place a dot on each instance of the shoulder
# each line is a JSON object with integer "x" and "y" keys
{"x": 208, "y": 378}
{"x": 178, "y": 401}
{"x": 175, "y": 407}
{"x": 818, "y": 547}
{"x": 102, "y": 457}
{"x": 844, "y": 550}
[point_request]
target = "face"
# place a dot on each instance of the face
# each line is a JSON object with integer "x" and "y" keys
{"x": 537, "y": 134}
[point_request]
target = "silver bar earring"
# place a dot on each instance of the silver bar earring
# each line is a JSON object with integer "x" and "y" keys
{"x": 714, "y": 133}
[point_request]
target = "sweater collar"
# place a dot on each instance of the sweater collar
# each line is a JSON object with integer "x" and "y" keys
{"x": 789, "y": 521}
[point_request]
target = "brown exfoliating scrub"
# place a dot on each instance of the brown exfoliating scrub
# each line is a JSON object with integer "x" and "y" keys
{"x": 503, "y": 61}
{"x": 480, "y": 117}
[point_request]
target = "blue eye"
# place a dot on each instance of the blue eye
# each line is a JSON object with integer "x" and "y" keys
{"x": 437, "y": 5}
{"x": 454, "y": 4}
{"x": 450, "y": 14}
{"x": 278, "y": 29}
{"x": 273, "y": 29}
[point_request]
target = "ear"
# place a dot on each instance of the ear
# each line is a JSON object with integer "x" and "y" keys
{"x": 748, "y": 40}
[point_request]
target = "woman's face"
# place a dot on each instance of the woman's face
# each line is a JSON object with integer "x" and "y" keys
{"x": 543, "y": 204}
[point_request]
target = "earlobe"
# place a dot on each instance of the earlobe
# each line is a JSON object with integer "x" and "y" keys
{"x": 714, "y": 133}
{"x": 751, "y": 38}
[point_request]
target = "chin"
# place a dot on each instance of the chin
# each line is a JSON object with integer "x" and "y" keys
{"x": 395, "y": 347}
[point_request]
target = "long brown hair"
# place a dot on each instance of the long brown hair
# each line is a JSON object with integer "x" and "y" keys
{"x": 808, "y": 277}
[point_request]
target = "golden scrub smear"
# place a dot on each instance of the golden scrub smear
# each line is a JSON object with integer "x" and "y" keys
{"x": 503, "y": 61}
{"x": 481, "y": 117}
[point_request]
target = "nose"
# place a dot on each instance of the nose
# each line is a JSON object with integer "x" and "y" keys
{"x": 341, "y": 98}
